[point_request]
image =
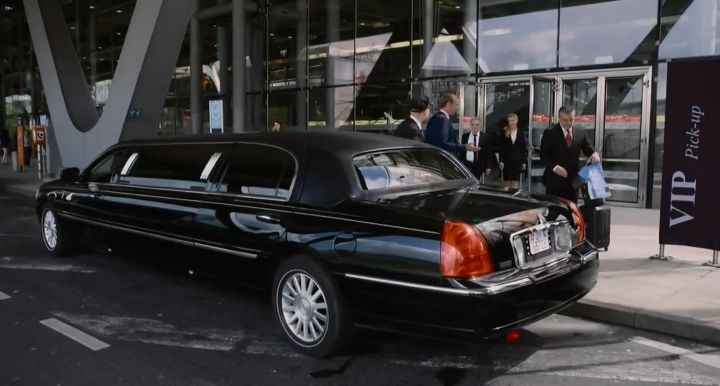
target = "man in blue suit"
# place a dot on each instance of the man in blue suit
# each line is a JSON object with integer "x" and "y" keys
{"x": 439, "y": 131}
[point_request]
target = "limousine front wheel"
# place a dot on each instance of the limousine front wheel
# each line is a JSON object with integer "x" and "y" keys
{"x": 309, "y": 307}
{"x": 52, "y": 233}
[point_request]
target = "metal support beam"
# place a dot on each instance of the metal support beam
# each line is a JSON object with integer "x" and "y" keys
{"x": 661, "y": 255}
{"x": 238, "y": 65}
{"x": 196, "y": 108}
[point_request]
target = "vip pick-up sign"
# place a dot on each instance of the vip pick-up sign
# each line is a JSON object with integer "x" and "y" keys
{"x": 690, "y": 210}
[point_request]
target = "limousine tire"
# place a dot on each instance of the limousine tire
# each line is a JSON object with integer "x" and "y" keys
{"x": 52, "y": 233}
{"x": 310, "y": 308}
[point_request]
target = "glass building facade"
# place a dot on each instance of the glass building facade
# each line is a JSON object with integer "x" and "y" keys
{"x": 353, "y": 64}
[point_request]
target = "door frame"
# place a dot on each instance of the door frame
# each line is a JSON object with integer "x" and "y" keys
{"x": 601, "y": 75}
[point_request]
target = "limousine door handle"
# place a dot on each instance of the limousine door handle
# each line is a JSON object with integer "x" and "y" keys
{"x": 266, "y": 218}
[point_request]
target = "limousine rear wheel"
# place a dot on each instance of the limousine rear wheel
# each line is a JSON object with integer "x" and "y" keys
{"x": 309, "y": 307}
{"x": 52, "y": 235}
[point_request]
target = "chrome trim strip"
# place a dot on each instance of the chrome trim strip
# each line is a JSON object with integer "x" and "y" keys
{"x": 209, "y": 166}
{"x": 129, "y": 163}
{"x": 246, "y": 255}
{"x": 506, "y": 280}
{"x": 125, "y": 229}
{"x": 453, "y": 291}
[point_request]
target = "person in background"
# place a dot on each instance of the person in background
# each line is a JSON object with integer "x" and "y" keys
{"x": 513, "y": 152}
{"x": 560, "y": 148}
{"x": 275, "y": 127}
{"x": 411, "y": 128}
{"x": 5, "y": 144}
{"x": 27, "y": 143}
{"x": 479, "y": 162}
{"x": 439, "y": 131}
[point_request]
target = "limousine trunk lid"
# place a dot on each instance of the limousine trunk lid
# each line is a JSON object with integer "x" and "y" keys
{"x": 496, "y": 213}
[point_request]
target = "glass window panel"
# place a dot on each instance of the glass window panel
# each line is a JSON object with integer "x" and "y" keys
{"x": 581, "y": 94}
{"x": 288, "y": 108}
{"x": 287, "y": 42}
{"x": 183, "y": 163}
{"x": 381, "y": 107}
{"x": 444, "y": 36}
{"x": 601, "y": 32}
{"x": 623, "y": 118}
{"x": 690, "y": 28}
{"x": 405, "y": 168}
{"x": 383, "y": 41}
{"x": 622, "y": 178}
{"x": 104, "y": 170}
{"x": 270, "y": 178}
{"x": 331, "y": 46}
{"x": 332, "y": 108}
{"x": 659, "y": 134}
{"x": 517, "y": 35}
{"x": 255, "y": 114}
{"x": 98, "y": 30}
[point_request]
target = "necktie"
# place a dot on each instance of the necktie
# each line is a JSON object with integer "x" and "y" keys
{"x": 568, "y": 139}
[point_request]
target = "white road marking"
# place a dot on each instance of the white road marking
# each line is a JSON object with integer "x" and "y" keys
{"x": 75, "y": 334}
{"x": 4, "y": 296}
{"x": 8, "y": 263}
{"x": 706, "y": 359}
{"x": 155, "y": 332}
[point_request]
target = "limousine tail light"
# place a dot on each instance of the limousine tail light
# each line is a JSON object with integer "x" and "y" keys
{"x": 578, "y": 219}
{"x": 464, "y": 252}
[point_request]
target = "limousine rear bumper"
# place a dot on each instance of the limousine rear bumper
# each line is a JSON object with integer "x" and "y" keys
{"x": 488, "y": 305}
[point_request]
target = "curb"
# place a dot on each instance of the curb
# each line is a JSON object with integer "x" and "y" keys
{"x": 645, "y": 320}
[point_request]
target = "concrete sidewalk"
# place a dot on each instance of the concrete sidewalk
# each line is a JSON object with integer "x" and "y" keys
{"x": 679, "y": 297}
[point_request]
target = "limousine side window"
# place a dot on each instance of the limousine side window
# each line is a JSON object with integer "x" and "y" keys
{"x": 171, "y": 166}
{"x": 257, "y": 170}
{"x": 108, "y": 168}
{"x": 405, "y": 168}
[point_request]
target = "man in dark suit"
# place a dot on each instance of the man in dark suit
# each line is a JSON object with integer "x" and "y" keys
{"x": 411, "y": 128}
{"x": 478, "y": 162}
{"x": 560, "y": 151}
{"x": 439, "y": 131}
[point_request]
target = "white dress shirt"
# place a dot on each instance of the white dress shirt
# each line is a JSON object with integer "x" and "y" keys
{"x": 472, "y": 138}
{"x": 513, "y": 135}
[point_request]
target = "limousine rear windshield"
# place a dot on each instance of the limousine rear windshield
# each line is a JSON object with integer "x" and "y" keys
{"x": 410, "y": 167}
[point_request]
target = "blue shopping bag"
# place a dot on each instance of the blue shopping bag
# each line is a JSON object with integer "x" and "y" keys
{"x": 593, "y": 175}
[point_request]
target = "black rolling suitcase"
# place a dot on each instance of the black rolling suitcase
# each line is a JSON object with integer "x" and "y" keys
{"x": 597, "y": 220}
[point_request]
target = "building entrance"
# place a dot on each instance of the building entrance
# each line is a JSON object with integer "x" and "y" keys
{"x": 613, "y": 107}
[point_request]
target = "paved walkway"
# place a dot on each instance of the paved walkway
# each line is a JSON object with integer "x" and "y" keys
{"x": 679, "y": 297}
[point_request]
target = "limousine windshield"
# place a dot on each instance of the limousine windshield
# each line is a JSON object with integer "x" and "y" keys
{"x": 408, "y": 167}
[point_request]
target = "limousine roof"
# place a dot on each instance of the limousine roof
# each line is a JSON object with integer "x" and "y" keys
{"x": 338, "y": 142}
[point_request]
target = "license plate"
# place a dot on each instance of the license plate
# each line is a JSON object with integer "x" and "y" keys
{"x": 539, "y": 241}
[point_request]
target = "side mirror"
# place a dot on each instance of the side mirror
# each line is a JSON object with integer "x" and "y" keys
{"x": 70, "y": 175}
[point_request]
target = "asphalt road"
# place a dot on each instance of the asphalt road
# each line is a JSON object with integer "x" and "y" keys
{"x": 124, "y": 319}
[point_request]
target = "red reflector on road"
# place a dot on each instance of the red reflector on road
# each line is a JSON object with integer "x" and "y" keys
{"x": 512, "y": 336}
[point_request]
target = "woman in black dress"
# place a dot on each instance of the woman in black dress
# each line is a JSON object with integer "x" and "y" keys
{"x": 513, "y": 152}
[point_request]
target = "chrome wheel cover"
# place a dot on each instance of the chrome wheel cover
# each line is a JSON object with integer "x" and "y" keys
{"x": 303, "y": 308}
{"x": 49, "y": 226}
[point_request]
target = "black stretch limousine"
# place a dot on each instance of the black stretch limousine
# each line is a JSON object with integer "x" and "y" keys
{"x": 347, "y": 229}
